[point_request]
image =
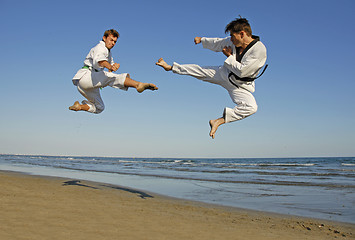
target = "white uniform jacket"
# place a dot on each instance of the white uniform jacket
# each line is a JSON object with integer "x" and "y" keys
{"x": 247, "y": 64}
{"x": 98, "y": 53}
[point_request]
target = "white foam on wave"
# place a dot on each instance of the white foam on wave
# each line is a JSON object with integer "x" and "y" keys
{"x": 288, "y": 164}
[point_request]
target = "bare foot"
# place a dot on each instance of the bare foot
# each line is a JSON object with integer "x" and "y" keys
{"x": 214, "y": 124}
{"x": 76, "y": 106}
{"x": 163, "y": 64}
{"x": 143, "y": 86}
{"x": 213, "y": 128}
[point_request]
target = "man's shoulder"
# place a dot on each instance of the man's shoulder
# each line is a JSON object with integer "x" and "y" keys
{"x": 100, "y": 47}
{"x": 101, "y": 44}
{"x": 259, "y": 45}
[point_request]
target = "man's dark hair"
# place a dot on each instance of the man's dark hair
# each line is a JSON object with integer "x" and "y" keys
{"x": 112, "y": 32}
{"x": 239, "y": 24}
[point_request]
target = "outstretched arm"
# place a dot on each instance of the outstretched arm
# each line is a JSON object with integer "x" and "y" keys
{"x": 216, "y": 44}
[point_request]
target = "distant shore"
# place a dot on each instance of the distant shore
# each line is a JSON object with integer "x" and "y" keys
{"x": 34, "y": 207}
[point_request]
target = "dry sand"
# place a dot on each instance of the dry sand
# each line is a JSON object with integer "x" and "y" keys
{"x": 33, "y": 207}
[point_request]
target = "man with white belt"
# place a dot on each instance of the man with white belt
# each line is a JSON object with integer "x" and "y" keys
{"x": 91, "y": 77}
{"x": 246, "y": 55}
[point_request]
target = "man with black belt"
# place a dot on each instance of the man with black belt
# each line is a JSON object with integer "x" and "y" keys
{"x": 246, "y": 55}
{"x": 91, "y": 77}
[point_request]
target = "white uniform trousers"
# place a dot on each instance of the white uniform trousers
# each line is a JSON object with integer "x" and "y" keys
{"x": 89, "y": 84}
{"x": 244, "y": 100}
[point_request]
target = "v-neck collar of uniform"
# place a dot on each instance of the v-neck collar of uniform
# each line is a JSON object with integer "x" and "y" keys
{"x": 240, "y": 56}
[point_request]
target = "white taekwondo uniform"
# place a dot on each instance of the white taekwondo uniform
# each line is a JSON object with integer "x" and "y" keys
{"x": 247, "y": 64}
{"x": 92, "y": 77}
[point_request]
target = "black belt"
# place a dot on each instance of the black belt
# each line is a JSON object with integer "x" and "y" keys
{"x": 244, "y": 79}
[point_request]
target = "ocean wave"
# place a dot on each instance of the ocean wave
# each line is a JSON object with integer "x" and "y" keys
{"x": 348, "y": 164}
{"x": 218, "y": 180}
{"x": 265, "y": 164}
{"x": 265, "y": 171}
{"x": 347, "y": 174}
{"x": 288, "y": 164}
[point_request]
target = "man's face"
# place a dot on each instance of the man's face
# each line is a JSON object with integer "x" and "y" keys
{"x": 110, "y": 41}
{"x": 237, "y": 38}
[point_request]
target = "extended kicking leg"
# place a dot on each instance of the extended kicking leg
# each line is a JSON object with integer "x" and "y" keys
{"x": 208, "y": 74}
{"x": 139, "y": 86}
{"x": 214, "y": 124}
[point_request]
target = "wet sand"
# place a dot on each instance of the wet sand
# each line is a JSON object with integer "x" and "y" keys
{"x": 34, "y": 207}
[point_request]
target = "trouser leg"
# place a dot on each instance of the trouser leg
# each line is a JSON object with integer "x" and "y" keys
{"x": 113, "y": 79}
{"x": 94, "y": 100}
{"x": 246, "y": 105}
{"x": 208, "y": 74}
{"x": 90, "y": 84}
{"x": 244, "y": 100}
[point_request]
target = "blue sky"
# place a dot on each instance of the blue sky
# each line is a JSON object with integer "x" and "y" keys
{"x": 305, "y": 98}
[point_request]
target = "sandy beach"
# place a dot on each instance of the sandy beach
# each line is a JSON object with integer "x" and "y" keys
{"x": 34, "y": 207}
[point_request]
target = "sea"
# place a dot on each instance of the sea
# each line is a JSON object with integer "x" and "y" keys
{"x": 316, "y": 187}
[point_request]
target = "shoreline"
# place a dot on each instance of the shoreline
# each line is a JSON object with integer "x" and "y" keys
{"x": 54, "y": 206}
{"x": 196, "y": 192}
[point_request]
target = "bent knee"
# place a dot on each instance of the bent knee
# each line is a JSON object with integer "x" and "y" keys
{"x": 246, "y": 110}
{"x": 253, "y": 109}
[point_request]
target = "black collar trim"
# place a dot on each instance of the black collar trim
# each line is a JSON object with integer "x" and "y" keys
{"x": 240, "y": 56}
